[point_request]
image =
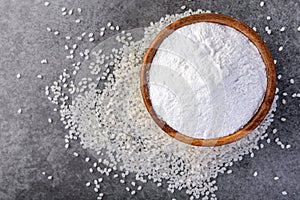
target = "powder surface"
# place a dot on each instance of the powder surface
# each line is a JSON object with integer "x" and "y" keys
{"x": 207, "y": 80}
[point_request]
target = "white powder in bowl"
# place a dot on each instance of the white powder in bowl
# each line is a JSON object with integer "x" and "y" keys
{"x": 207, "y": 80}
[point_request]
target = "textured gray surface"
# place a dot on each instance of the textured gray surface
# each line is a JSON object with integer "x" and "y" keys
{"x": 30, "y": 145}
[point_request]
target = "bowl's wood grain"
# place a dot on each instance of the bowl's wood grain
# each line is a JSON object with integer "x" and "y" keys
{"x": 253, "y": 37}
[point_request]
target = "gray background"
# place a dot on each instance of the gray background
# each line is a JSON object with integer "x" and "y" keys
{"x": 30, "y": 145}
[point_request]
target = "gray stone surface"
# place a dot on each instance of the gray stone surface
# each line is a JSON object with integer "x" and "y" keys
{"x": 30, "y": 145}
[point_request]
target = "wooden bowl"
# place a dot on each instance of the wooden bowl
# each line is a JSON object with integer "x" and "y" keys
{"x": 253, "y": 37}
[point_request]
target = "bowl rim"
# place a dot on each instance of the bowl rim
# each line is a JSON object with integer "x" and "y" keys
{"x": 252, "y": 36}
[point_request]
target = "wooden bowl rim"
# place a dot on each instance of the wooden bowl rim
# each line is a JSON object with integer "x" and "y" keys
{"x": 253, "y": 37}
